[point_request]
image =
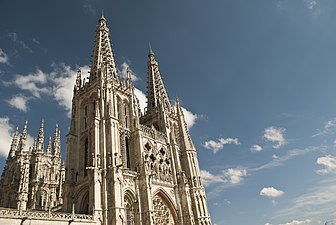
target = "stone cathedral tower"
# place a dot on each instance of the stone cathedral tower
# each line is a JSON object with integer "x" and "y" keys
{"x": 125, "y": 167}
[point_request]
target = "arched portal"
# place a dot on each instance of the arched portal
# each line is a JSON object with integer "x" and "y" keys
{"x": 164, "y": 213}
{"x": 84, "y": 204}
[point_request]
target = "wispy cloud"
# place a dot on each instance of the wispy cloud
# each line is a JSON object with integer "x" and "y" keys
{"x": 88, "y": 7}
{"x": 316, "y": 203}
{"x": 4, "y": 59}
{"x": 36, "y": 41}
{"x": 280, "y": 160}
{"x": 14, "y": 37}
{"x": 311, "y": 4}
{"x": 329, "y": 163}
{"x": 328, "y": 128}
{"x": 19, "y": 102}
{"x": 275, "y": 135}
{"x": 215, "y": 146}
{"x": 256, "y": 148}
{"x": 298, "y": 222}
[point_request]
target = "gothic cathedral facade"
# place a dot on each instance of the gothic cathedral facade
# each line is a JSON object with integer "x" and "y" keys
{"x": 124, "y": 166}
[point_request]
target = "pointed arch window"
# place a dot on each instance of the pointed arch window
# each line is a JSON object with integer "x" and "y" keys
{"x": 129, "y": 211}
{"x": 127, "y": 150}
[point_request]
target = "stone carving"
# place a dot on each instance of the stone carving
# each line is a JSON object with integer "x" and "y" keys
{"x": 162, "y": 214}
{"x": 158, "y": 163}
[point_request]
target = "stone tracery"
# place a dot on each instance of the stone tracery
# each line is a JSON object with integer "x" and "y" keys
{"x": 162, "y": 213}
{"x": 158, "y": 163}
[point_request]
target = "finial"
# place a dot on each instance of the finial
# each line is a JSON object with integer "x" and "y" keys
{"x": 150, "y": 49}
{"x": 49, "y": 146}
{"x": 102, "y": 15}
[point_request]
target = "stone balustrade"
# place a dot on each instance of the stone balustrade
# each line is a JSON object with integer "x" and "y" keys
{"x": 44, "y": 215}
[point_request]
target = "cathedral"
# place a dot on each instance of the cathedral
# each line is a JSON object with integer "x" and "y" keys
{"x": 123, "y": 166}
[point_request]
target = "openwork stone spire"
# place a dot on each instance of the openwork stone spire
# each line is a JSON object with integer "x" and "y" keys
{"x": 14, "y": 143}
{"x": 103, "y": 58}
{"x": 156, "y": 94}
{"x": 57, "y": 142}
{"x": 23, "y": 138}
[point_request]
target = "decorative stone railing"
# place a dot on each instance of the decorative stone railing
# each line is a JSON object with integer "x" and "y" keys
{"x": 151, "y": 133}
{"x": 44, "y": 215}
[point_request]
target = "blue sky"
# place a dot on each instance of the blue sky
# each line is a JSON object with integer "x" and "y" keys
{"x": 257, "y": 77}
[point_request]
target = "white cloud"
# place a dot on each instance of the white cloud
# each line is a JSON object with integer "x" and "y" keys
{"x": 142, "y": 99}
{"x": 230, "y": 176}
{"x": 19, "y": 102}
{"x": 209, "y": 178}
{"x": 6, "y": 131}
{"x": 275, "y": 135}
{"x": 274, "y": 156}
{"x": 268, "y": 224}
{"x": 63, "y": 82}
{"x": 256, "y": 148}
{"x": 3, "y": 57}
{"x": 123, "y": 72}
{"x": 298, "y": 222}
{"x": 215, "y": 146}
{"x": 34, "y": 83}
{"x": 6, "y": 134}
{"x": 58, "y": 83}
{"x": 271, "y": 192}
{"x": 189, "y": 117}
{"x": 328, "y": 128}
{"x": 235, "y": 175}
{"x": 329, "y": 163}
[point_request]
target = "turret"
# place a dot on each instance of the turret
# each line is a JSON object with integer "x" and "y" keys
{"x": 40, "y": 138}
{"x": 78, "y": 84}
{"x": 14, "y": 143}
{"x": 57, "y": 142}
{"x": 129, "y": 78}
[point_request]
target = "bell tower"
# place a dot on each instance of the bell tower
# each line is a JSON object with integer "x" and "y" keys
{"x": 125, "y": 167}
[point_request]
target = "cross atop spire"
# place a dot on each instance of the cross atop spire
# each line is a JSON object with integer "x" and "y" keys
{"x": 103, "y": 64}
